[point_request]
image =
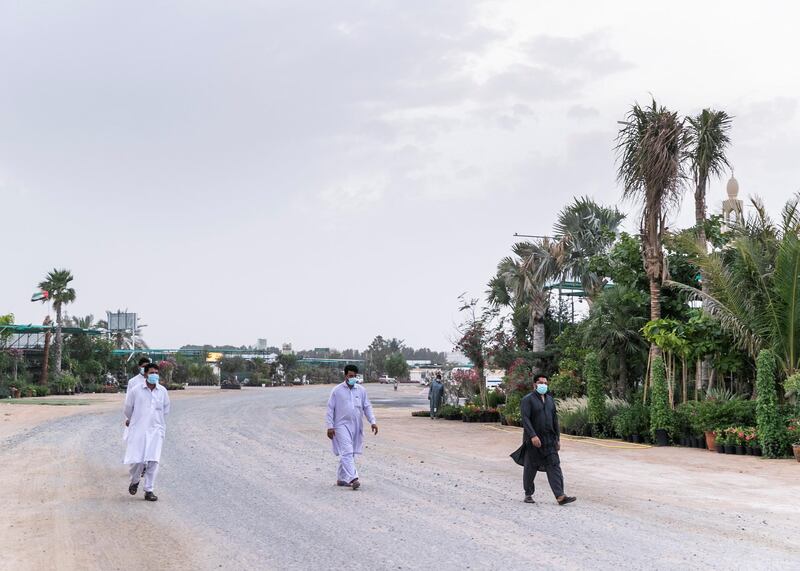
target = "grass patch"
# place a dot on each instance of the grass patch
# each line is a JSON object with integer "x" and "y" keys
{"x": 49, "y": 402}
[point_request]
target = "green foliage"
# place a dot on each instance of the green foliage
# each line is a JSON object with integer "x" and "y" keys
{"x": 792, "y": 388}
{"x": 660, "y": 414}
{"x": 566, "y": 385}
{"x": 450, "y": 412}
{"x": 496, "y": 398}
{"x": 396, "y": 366}
{"x": 634, "y": 419}
{"x": 511, "y": 410}
{"x": 771, "y": 432}
{"x": 594, "y": 390}
{"x": 64, "y": 384}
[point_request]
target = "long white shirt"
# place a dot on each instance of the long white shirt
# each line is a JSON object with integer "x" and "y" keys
{"x": 346, "y": 409}
{"x": 135, "y": 381}
{"x": 147, "y": 411}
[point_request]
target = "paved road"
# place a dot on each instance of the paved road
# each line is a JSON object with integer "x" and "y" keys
{"x": 247, "y": 482}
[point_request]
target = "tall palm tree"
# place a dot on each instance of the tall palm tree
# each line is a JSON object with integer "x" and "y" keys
{"x": 56, "y": 283}
{"x": 586, "y": 229}
{"x": 754, "y": 285}
{"x": 708, "y": 141}
{"x": 651, "y": 148}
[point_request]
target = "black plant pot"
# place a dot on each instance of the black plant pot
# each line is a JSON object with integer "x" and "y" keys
{"x": 749, "y": 450}
{"x": 756, "y": 450}
{"x": 701, "y": 442}
{"x": 730, "y": 449}
{"x": 661, "y": 437}
{"x": 636, "y": 438}
{"x": 719, "y": 448}
{"x": 740, "y": 450}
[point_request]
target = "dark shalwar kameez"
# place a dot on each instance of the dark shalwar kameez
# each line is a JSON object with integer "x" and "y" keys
{"x": 539, "y": 418}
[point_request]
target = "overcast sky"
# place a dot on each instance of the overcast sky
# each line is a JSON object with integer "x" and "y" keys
{"x": 322, "y": 172}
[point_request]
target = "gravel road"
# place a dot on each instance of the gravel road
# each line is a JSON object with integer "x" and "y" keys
{"x": 247, "y": 482}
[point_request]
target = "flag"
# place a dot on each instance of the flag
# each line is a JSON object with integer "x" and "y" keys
{"x": 40, "y": 296}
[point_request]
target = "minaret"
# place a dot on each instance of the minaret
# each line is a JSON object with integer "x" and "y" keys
{"x": 732, "y": 208}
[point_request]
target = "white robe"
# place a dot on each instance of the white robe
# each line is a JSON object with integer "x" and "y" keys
{"x": 346, "y": 409}
{"x": 146, "y": 410}
{"x": 135, "y": 381}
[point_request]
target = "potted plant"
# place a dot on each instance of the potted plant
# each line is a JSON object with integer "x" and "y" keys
{"x": 793, "y": 430}
{"x": 729, "y": 441}
{"x": 719, "y": 441}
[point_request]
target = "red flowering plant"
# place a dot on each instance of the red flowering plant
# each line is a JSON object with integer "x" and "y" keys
{"x": 165, "y": 369}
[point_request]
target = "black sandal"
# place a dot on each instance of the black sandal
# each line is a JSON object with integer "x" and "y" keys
{"x": 566, "y": 500}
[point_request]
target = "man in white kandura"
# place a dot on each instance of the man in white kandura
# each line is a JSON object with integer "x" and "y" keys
{"x": 348, "y": 403}
{"x": 146, "y": 407}
{"x": 139, "y": 378}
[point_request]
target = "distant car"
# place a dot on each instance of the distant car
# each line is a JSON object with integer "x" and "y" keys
{"x": 386, "y": 380}
{"x": 230, "y": 384}
{"x": 359, "y": 379}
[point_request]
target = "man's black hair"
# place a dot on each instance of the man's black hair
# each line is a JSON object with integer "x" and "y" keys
{"x": 438, "y": 375}
{"x": 143, "y": 361}
{"x": 149, "y": 366}
{"x": 540, "y": 376}
{"x": 348, "y": 368}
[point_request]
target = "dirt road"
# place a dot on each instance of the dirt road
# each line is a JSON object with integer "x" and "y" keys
{"x": 247, "y": 482}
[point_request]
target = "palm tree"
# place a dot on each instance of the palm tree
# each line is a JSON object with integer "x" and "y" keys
{"x": 56, "y": 283}
{"x": 708, "y": 141}
{"x": 651, "y": 147}
{"x": 521, "y": 282}
{"x": 754, "y": 285}
{"x": 586, "y": 229}
{"x": 87, "y": 322}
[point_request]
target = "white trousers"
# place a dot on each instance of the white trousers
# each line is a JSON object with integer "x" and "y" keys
{"x": 347, "y": 468}
{"x": 149, "y": 475}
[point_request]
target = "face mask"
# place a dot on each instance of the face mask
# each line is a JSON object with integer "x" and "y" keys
{"x": 152, "y": 378}
{"x": 141, "y": 371}
{"x": 351, "y": 381}
{"x": 541, "y": 389}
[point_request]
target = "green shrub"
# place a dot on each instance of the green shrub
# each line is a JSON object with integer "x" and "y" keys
{"x": 450, "y": 412}
{"x": 41, "y": 390}
{"x": 660, "y": 415}
{"x": 565, "y": 384}
{"x": 771, "y": 431}
{"x": 5, "y": 392}
{"x": 686, "y": 419}
{"x": 594, "y": 391}
{"x": 511, "y": 410}
{"x": 496, "y": 398}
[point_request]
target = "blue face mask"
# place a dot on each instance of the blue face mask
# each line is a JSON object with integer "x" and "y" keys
{"x": 141, "y": 371}
{"x": 351, "y": 381}
{"x": 541, "y": 389}
{"x": 152, "y": 378}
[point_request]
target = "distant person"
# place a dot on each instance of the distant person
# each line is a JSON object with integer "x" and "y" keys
{"x": 436, "y": 395}
{"x": 146, "y": 408}
{"x": 541, "y": 442}
{"x": 139, "y": 378}
{"x": 395, "y": 384}
{"x": 346, "y": 407}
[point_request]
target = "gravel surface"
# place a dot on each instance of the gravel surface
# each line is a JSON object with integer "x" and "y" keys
{"x": 248, "y": 482}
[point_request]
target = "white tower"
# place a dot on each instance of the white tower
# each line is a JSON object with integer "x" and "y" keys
{"x": 732, "y": 208}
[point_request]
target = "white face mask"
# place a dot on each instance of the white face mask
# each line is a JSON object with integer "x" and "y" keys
{"x": 141, "y": 371}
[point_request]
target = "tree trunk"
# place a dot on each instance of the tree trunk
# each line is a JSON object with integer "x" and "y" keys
{"x": 685, "y": 385}
{"x": 59, "y": 338}
{"x": 538, "y": 336}
{"x": 46, "y": 356}
{"x": 622, "y": 386}
{"x": 698, "y": 378}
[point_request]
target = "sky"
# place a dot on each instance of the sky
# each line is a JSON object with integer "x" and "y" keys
{"x": 323, "y": 172}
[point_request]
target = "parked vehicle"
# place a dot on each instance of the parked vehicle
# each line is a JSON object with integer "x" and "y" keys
{"x": 386, "y": 380}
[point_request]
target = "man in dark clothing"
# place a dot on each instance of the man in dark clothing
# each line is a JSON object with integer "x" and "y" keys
{"x": 541, "y": 441}
{"x": 436, "y": 394}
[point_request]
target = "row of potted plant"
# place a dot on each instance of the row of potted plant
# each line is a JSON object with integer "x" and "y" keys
{"x": 740, "y": 440}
